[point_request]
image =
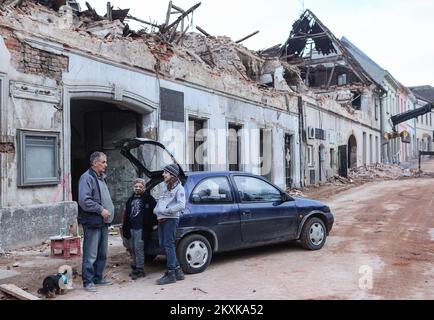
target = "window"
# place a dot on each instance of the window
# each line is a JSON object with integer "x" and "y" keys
{"x": 342, "y": 79}
{"x": 234, "y": 147}
{"x": 265, "y": 152}
{"x": 212, "y": 190}
{"x": 256, "y": 190}
{"x": 310, "y": 156}
{"x": 376, "y": 109}
{"x": 38, "y": 158}
{"x": 356, "y": 102}
{"x": 332, "y": 158}
{"x": 196, "y": 143}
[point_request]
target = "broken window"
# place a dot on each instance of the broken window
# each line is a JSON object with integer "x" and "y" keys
{"x": 356, "y": 102}
{"x": 38, "y": 158}
{"x": 342, "y": 79}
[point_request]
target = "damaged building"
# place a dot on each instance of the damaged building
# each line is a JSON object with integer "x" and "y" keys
{"x": 75, "y": 82}
{"x": 340, "y": 112}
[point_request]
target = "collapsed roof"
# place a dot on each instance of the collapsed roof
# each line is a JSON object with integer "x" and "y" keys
{"x": 324, "y": 62}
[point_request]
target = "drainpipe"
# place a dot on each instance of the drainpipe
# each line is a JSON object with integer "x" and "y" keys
{"x": 381, "y": 129}
{"x": 300, "y": 138}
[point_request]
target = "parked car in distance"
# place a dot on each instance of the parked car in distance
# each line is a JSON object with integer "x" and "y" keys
{"x": 228, "y": 210}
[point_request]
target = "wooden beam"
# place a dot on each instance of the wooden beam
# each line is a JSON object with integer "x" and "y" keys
{"x": 182, "y": 16}
{"x": 169, "y": 8}
{"x": 177, "y": 8}
{"x": 203, "y": 31}
{"x": 109, "y": 12}
{"x": 309, "y": 61}
{"x": 19, "y": 293}
{"x": 247, "y": 37}
{"x": 331, "y": 76}
{"x": 142, "y": 21}
{"x": 312, "y": 36}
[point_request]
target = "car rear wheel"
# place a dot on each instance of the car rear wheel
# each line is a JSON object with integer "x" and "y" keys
{"x": 150, "y": 257}
{"x": 194, "y": 253}
{"x": 313, "y": 234}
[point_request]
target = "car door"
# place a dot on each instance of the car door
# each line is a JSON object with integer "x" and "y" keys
{"x": 264, "y": 215}
{"x": 213, "y": 207}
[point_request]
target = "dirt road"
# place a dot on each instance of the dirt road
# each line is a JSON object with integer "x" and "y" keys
{"x": 381, "y": 247}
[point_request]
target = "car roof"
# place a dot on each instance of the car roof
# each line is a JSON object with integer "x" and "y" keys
{"x": 215, "y": 173}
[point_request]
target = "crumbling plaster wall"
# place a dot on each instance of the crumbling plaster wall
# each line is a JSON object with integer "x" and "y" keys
{"x": 24, "y": 108}
{"x": 338, "y": 128}
{"x": 218, "y": 110}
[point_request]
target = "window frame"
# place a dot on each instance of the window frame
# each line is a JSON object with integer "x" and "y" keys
{"x": 190, "y": 199}
{"x": 23, "y": 181}
{"x": 258, "y": 178}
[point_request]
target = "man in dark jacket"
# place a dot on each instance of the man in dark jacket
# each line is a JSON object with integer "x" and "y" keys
{"x": 138, "y": 225}
{"x": 96, "y": 213}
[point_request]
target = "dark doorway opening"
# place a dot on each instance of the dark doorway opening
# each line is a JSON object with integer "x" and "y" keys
{"x": 95, "y": 126}
{"x": 343, "y": 160}
{"x": 352, "y": 152}
{"x": 288, "y": 162}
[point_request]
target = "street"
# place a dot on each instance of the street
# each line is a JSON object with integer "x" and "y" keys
{"x": 381, "y": 247}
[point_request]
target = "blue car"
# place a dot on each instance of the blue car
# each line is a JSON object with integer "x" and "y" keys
{"x": 228, "y": 210}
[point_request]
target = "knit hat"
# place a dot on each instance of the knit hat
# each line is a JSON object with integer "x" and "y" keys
{"x": 173, "y": 169}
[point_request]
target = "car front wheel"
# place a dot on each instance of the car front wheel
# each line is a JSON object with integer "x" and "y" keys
{"x": 194, "y": 253}
{"x": 313, "y": 234}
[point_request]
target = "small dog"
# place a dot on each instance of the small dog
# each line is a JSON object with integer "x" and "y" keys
{"x": 51, "y": 287}
{"x": 58, "y": 283}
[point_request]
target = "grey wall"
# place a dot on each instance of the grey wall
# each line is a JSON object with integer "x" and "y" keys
{"x": 31, "y": 225}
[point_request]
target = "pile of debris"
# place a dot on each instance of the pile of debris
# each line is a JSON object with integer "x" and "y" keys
{"x": 295, "y": 192}
{"x": 379, "y": 171}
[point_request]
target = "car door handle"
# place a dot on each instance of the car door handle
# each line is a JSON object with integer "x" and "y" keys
{"x": 246, "y": 213}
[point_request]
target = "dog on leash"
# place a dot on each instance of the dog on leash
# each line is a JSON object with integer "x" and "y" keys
{"x": 59, "y": 283}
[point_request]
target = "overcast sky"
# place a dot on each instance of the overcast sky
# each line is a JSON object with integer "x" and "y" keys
{"x": 397, "y": 34}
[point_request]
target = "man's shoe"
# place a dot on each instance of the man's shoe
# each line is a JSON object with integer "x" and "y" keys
{"x": 90, "y": 287}
{"x": 139, "y": 274}
{"x": 133, "y": 272}
{"x": 169, "y": 277}
{"x": 179, "y": 274}
{"x": 104, "y": 282}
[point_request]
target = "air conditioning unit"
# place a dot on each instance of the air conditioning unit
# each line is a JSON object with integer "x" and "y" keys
{"x": 310, "y": 133}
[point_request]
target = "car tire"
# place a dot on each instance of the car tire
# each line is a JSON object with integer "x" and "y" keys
{"x": 194, "y": 253}
{"x": 313, "y": 235}
{"x": 150, "y": 257}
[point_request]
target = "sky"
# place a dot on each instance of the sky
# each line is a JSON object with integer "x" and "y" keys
{"x": 397, "y": 34}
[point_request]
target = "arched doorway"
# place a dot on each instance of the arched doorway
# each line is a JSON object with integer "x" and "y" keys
{"x": 352, "y": 152}
{"x": 95, "y": 125}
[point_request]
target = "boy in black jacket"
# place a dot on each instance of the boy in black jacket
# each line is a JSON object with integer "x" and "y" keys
{"x": 138, "y": 225}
